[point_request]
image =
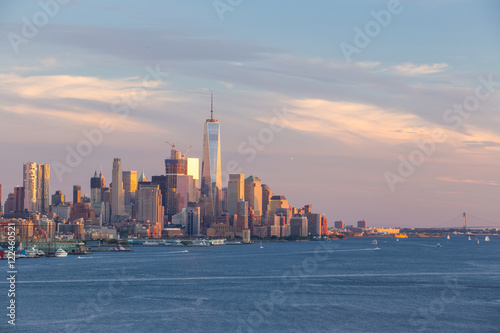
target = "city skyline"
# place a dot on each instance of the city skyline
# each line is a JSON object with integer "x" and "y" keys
{"x": 351, "y": 128}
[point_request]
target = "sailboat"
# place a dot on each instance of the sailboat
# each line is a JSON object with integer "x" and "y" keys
{"x": 487, "y": 238}
{"x": 448, "y": 237}
{"x": 261, "y": 245}
{"x": 469, "y": 237}
{"x": 478, "y": 241}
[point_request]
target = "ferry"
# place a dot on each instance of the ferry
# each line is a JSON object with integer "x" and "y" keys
{"x": 61, "y": 253}
{"x": 400, "y": 236}
{"x": 34, "y": 252}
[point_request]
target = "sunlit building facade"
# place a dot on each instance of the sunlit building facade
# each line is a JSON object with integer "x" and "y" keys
{"x": 235, "y": 192}
{"x": 30, "y": 186}
{"x": 211, "y": 170}
{"x": 117, "y": 200}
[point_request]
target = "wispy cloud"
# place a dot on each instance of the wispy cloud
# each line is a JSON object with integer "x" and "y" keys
{"x": 468, "y": 181}
{"x": 411, "y": 69}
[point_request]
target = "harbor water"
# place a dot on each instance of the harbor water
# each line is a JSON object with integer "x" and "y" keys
{"x": 350, "y": 285}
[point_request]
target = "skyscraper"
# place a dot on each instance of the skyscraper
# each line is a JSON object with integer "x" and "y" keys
{"x": 193, "y": 169}
{"x": 30, "y": 186}
{"x": 299, "y": 226}
{"x": 42, "y": 188}
{"x": 117, "y": 202}
{"x": 18, "y": 199}
{"x": 96, "y": 187}
{"x": 253, "y": 194}
{"x": 211, "y": 170}
{"x": 277, "y": 202}
{"x": 242, "y": 217}
{"x": 10, "y": 204}
{"x": 267, "y": 194}
{"x": 235, "y": 192}
{"x": 77, "y": 194}
{"x": 129, "y": 186}
{"x": 149, "y": 204}
{"x": 193, "y": 220}
{"x": 57, "y": 198}
{"x": 175, "y": 166}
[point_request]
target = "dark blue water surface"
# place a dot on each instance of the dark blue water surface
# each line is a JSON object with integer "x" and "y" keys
{"x": 347, "y": 285}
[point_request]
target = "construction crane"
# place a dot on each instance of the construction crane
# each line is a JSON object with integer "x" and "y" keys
{"x": 173, "y": 148}
{"x": 184, "y": 155}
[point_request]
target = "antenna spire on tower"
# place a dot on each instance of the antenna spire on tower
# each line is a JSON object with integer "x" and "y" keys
{"x": 212, "y": 106}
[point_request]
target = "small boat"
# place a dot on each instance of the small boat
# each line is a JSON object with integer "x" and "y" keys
{"x": 438, "y": 245}
{"x": 261, "y": 245}
{"x": 120, "y": 248}
{"x": 374, "y": 242}
{"x": 469, "y": 238}
{"x": 448, "y": 237}
{"x": 487, "y": 239}
{"x": 34, "y": 252}
{"x": 478, "y": 241}
{"x": 61, "y": 253}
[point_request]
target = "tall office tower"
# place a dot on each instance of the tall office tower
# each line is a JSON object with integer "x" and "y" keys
{"x": 42, "y": 188}
{"x": 30, "y": 186}
{"x": 211, "y": 170}
{"x": 224, "y": 200}
{"x": 177, "y": 185}
{"x": 253, "y": 194}
{"x": 57, "y": 198}
{"x": 299, "y": 226}
{"x": 18, "y": 199}
{"x": 267, "y": 194}
{"x": 314, "y": 224}
{"x": 278, "y": 201}
{"x": 176, "y": 165}
{"x": 117, "y": 202}
{"x": 193, "y": 219}
{"x": 193, "y": 169}
{"x": 129, "y": 186}
{"x": 149, "y": 206}
{"x": 106, "y": 195}
{"x": 96, "y": 188}
{"x": 235, "y": 192}
{"x": 186, "y": 192}
{"x": 10, "y": 204}
{"x": 242, "y": 219}
{"x": 77, "y": 194}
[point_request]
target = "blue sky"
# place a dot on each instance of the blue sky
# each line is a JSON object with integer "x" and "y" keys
{"x": 348, "y": 124}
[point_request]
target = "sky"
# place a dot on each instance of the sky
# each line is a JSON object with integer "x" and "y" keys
{"x": 379, "y": 110}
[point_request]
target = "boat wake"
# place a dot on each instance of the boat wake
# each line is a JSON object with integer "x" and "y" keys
{"x": 263, "y": 277}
